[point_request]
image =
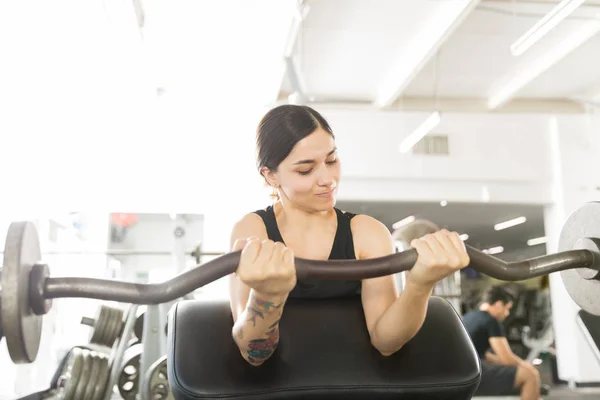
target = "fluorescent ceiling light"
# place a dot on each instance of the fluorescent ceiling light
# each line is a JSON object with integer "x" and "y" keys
{"x": 541, "y": 64}
{"x": 464, "y": 237}
{"x": 544, "y": 25}
{"x": 448, "y": 15}
{"x": 443, "y": 203}
{"x": 403, "y": 222}
{"x": 494, "y": 250}
{"x": 426, "y": 126}
{"x": 536, "y": 241}
{"x": 509, "y": 223}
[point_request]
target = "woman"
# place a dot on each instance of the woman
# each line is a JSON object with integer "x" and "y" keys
{"x": 297, "y": 157}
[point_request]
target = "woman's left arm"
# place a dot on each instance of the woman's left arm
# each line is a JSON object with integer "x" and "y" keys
{"x": 392, "y": 319}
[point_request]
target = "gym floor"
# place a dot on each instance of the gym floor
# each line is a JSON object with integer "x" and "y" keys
{"x": 557, "y": 392}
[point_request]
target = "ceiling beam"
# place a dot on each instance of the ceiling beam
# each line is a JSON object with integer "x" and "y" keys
{"x": 588, "y": 3}
{"x": 422, "y": 48}
{"x": 524, "y": 73}
{"x": 457, "y": 105}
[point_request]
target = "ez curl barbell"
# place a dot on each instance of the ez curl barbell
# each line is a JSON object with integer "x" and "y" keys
{"x": 27, "y": 290}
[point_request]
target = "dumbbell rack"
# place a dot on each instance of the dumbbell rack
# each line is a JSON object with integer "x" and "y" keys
{"x": 153, "y": 354}
{"x": 154, "y": 343}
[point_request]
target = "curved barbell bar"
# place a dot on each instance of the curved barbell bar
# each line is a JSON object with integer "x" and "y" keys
{"x": 309, "y": 269}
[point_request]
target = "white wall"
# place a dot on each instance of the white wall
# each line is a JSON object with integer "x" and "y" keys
{"x": 493, "y": 156}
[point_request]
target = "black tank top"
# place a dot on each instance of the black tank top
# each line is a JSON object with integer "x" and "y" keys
{"x": 342, "y": 249}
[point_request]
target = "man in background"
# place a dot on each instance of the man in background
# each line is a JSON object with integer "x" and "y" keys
{"x": 502, "y": 370}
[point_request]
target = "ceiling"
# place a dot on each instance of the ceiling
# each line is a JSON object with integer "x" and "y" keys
{"x": 475, "y": 219}
{"x": 397, "y": 54}
{"x": 352, "y": 51}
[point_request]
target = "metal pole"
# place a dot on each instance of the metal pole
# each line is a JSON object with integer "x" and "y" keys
{"x": 123, "y": 252}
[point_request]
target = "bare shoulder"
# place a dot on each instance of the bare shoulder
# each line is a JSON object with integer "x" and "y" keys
{"x": 371, "y": 236}
{"x": 362, "y": 222}
{"x": 251, "y": 224}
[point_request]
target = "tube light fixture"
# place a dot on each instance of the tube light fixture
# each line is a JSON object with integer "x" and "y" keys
{"x": 494, "y": 250}
{"x": 510, "y": 223}
{"x": 561, "y": 11}
{"x": 403, "y": 222}
{"x": 426, "y": 126}
{"x": 527, "y": 73}
{"x": 536, "y": 241}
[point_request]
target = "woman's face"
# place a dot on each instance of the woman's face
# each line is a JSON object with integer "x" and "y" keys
{"x": 310, "y": 174}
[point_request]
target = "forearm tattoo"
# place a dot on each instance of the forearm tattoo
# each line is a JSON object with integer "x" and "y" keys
{"x": 259, "y": 307}
{"x": 261, "y": 349}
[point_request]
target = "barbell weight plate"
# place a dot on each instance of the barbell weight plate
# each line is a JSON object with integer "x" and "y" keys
{"x": 99, "y": 322}
{"x": 103, "y": 375}
{"x": 22, "y": 328}
{"x": 70, "y": 377}
{"x": 1, "y": 333}
{"x": 128, "y": 380}
{"x": 138, "y": 327}
{"x": 582, "y": 223}
{"x": 84, "y": 377}
{"x": 93, "y": 379}
{"x": 108, "y": 327}
{"x": 114, "y": 327}
{"x": 157, "y": 381}
{"x": 117, "y": 327}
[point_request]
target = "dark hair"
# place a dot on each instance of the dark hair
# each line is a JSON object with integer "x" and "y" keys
{"x": 281, "y": 128}
{"x": 497, "y": 293}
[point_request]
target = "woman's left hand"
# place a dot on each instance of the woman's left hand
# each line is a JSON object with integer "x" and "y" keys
{"x": 440, "y": 255}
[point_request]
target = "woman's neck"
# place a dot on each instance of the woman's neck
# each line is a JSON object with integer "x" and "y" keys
{"x": 288, "y": 215}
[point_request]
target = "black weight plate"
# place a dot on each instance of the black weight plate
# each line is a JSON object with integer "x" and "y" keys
{"x": 582, "y": 223}
{"x": 21, "y": 327}
{"x": 84, "y": 377}
{"x": 138, "y": 328}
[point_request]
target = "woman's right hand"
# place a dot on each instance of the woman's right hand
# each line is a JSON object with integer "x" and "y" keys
{"x": 267, "y": 267}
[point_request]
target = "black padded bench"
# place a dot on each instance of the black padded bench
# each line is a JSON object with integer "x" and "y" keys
{"x": 324, "y": 353}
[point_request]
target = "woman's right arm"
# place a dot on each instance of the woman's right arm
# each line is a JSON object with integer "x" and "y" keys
{"x": 259, "y": 289}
